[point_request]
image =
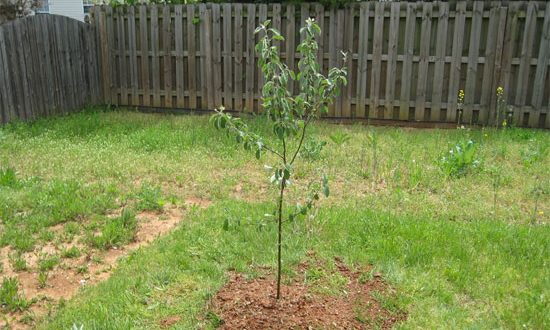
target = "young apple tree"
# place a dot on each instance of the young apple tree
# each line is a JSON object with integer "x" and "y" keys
{"x": 290, "y": 115}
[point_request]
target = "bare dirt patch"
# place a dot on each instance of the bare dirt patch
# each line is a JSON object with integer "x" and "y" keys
{"x": 91, "y": 267}
{"x": 251, "y": 304}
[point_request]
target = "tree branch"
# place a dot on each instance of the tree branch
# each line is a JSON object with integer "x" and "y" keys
{"x": 308, "y": 120}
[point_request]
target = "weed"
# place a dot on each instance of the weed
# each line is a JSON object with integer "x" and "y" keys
{"x": 497, "y": 180}
{"x": 72, "y": 252}
{"x": 214, "y": 319}
{"x": 7, "y": 177}
{"x": 116, "y": 232}
{"x": 19, "y": 263}
{"x": 42, "y": 279}
{"x": 47, "y": 262}
{"x": 10, "y": 300}
{"x": 339, "y": 138}
{"x": 149, "y": 198}
{"x": 82, "y": 269}
{"x": 312, "y": 149}
{"x": 534, "y": 153}
{"x": 459, "y": 159}
{"x": 460, "y": 108}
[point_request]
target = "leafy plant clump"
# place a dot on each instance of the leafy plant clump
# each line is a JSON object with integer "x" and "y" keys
{"x": 339, "y": 138}
{"x": 312, "y": 149}
{"x": 116, "y": 232}
{"x": 149, "y": 198}
{"x": 7, "y": 177}
{"x": 10, "y": 300}
{"x": 460, "y": 159}
{"x": 290, "y": 115}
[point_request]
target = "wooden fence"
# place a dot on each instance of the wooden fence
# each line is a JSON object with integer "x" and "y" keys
{"x": 48, "y": 65}
{"x": 408, "y": 60}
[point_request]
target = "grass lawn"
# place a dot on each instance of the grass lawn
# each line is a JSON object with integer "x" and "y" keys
{"x": 467, "y": 250}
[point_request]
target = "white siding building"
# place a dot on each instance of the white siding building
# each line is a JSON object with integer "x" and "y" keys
{"x": 76, "y": 9}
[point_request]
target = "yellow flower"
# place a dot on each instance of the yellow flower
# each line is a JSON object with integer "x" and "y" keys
{"x": 500, "y": 90}
{"x": 541, "y": 212}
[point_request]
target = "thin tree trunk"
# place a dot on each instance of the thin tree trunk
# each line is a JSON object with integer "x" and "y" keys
{"x": 279, "y": 238}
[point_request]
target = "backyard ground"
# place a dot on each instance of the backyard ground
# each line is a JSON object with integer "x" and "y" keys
{"x": 118, "y": 220}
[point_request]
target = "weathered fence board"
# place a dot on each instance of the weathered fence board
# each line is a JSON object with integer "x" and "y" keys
{"x": 48, "y": 66}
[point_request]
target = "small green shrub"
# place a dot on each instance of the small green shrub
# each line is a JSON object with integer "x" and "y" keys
{"x": 534, "y": 153}
{"x": 42, "y": 279}
{"x": 339, "y": 138}
{"x": 7, "y": 177}
{"x": 116, "y": 232}
{"x": 10, "y": 300}
{"x": 312, "y": 149}
{"x": 460, "y": 159}
{"x": 47, "y": 262}
{"x": 149, "y": 198}
{"x": 72, "y": 252}
{"x": 19, "y": 264}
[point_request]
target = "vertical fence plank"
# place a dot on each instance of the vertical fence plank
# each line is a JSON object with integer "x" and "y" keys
{"x": 488, "y": 66}
{"x": 525, "y": 61}
{"x": 473, "y": 54}
{"x": 497, "y": 69}
{"x": 132, "y": 46}
{"x": 178, "y": 33}
{"x": 509, "y": 45}
{"x": 155, "y": 67}
{"x": 227, "y": 56}
{"x": 542, "y": 67}
{"x": 304, "y": 15}
{"x": 144, "y": 49}
{"x": 7, "y": 111}
{"x": 339, "y": 42}
{"x": 378, "y": 34}
{"x": 425, "y": 32}
{"x": 391, "y": 70}
{"x": 439, "y": 66}
{"x": 105, "y": 59}
{"x": 348, "y": 49}
{"x": 262, "y": 15}
{"x": 250, "y": 55}
{"x": 238, "y": 58}
{"x": 361, "y": 91}
{"x": 217, "y": 54}
{"x": 167, "y": 49}
{"x": 18, "y": 95}
{"x": 122, "y": 59}
{"x": 456, "y": 60}
{"x": 191, "y": 56}
{"x": 207, "y": 42}
{"x": 407, "y": 62}
{"x": 113, "y": 86}
{"x": 290, "y": 41}
{"x": 320, "y": 18}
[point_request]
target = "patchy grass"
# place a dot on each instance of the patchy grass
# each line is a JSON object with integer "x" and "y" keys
{"x": 464, "y": 251}
{"x": 485, "y": 274}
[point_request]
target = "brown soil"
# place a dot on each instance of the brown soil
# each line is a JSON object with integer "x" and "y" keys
{"x": 65, "y": 280}
{"x": 251, "y": 304}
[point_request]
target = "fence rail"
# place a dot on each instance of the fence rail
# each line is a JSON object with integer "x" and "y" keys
{"x": 408, "y": 60}
{"x": 48, "y": 65}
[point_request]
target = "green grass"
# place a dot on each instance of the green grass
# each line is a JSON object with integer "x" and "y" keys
{"x": 457, "y": 256}
{"x": 483, "y": 275}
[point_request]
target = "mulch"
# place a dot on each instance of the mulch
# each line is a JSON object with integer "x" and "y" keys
{"x": 251, "y": 304}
